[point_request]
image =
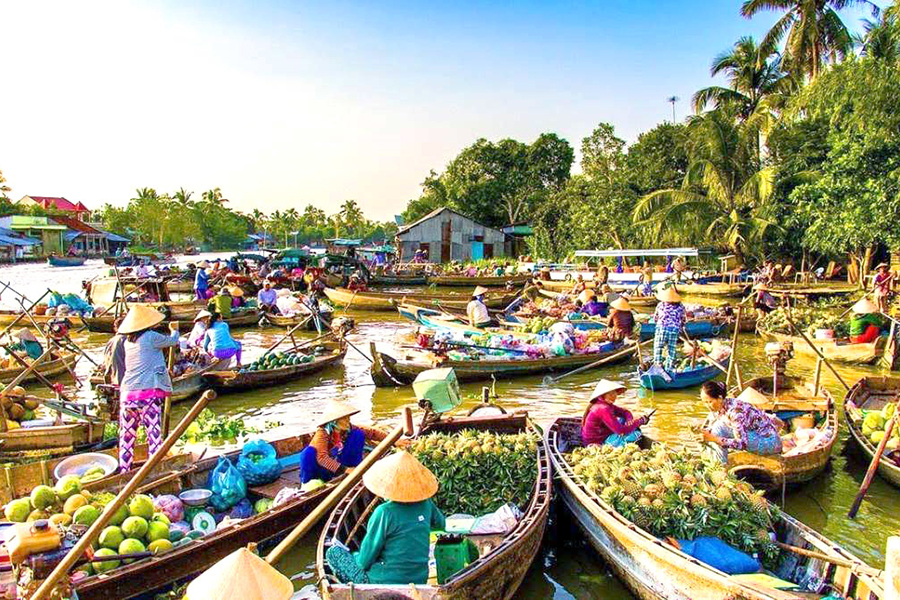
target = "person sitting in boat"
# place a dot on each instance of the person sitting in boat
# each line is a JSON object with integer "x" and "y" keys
{"x": 356, "y": 283}
{"x": 736, "y": 424}
{"x": 201, "y": 281}
{"x": 763, "y": 301}
{"x": 201, "y": 324}
{"x": 645, "y": 283}
{"x": 605, "y": 423}
{"x": 533, "y": 289}
{"x": 395, "y": 549}
{"x": 477, "y": 310}
{"x": 498, "y": 271}
{"x": 591, "y": 306}
{"x": 882, "y": 285}
{"x": 27, "y": 343}
{"x": 237, "y": 297}
{"x": 602, "y": 275}
{"x": 669, "y": 320}
{"x": 545, "y": 274}
{"x": 336, "y": 443}
{"x": 510, "y": 269}
{"x": 621, "y": 320}
{"x": 221, "y": 303}
{"x": 217, "y": 340}
{"x": 577, "y": 312}
{"x": 579, "y": 286}
{"x": 267, "y": 297}
{"x": 865, "y": 324}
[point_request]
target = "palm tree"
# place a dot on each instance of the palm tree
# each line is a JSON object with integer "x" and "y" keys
{"x": 4, "y": 189}
{"x": 214, "y": 196}
{"x": 881, "y": 39}
{"x": 815, "y": 33}
{"x": 351, "y": 215}
{"x": 725, "y": 194}
{"x": 183, "y": 197}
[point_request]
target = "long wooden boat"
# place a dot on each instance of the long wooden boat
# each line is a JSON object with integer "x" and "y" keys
{"x": 682, "y": 379}
{"x": 411, "y": 279}
{"x": 239, "y": 318}
{"x": 834, "y": 350}
{"x": 802, "y": 290}
{"x": 180, "y": 286}
{"x": 55, "y": 367}
{"x": 714, "y": 288}
{"x": 307, "y": 320}
{"x": 147, "y": 575}
{"x": 233, "y": 380}
{"x": 486, "y": 281}
{"x": 436, "y": 319}
{"x": 66, "y": 261}
{"x": 871, "y": 393}
{"x": 388, "y": 371}
{"x": 655, "y": 570}
{"x": 634, "y": 301}
{"x": 8, "y": 316}
{"x": 369, "y": 300}
{"x": 504, "y": 560}
{"x": 791, "y": 467}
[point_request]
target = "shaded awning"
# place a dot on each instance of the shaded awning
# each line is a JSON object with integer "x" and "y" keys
{"x": 633, "y": 253}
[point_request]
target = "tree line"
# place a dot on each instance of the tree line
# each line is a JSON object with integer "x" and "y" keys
{"x": 797, "y": 154}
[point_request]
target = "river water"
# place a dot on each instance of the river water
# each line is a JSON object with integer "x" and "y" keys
{"x": 567, "y": 567}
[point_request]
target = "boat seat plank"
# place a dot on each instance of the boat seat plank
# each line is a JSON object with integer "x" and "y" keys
{"x": 290, "y": 478}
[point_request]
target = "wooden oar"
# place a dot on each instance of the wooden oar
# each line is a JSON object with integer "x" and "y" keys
{"x": 636, "y": 348}
{"x": 94, "y": 531}
{"x": 40, "y": 376}
{"x": 342, "y": 488}
{"x": 816, "y": 350}
{"x": 703, "y": 353}
{"x": 841, "y": 562}
{"x": 873, "y": 466}
{"x": 289, "y": 333}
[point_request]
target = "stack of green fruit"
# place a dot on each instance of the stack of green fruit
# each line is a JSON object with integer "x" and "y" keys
{"x": 874, "y": 423}
{"x": 276, "y": 360}
{"x": 134, "y": 528}
{"x": 539, "y": 324}
{"x": 64, "y": 504}
{"x": 671, "y": 492}
{"x": 479, "y": 471}
{"x": 807, "y": 320}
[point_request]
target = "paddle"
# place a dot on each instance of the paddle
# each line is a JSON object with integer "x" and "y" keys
{"x": 873, "y": 466}
{"x": 734, "y": 341}
{"x": 815, "y": 349}
{"x": 342, "y": 488}
{"x": 864, "y": 569}
{"x": 702, "y": 352}
{"x": 548, "y": 379}
{"x": 112, "y": 508}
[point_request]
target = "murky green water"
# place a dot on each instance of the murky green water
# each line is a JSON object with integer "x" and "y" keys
{"x": 567, "y": 568}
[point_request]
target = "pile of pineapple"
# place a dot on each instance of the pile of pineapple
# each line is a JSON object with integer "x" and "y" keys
{"x": 671, "y": 492}
{"x": 479, "y": 471}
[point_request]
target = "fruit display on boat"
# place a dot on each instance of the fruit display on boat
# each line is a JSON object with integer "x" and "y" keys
{"x": 538, "y": 324}
{"x": 18, "y": 408}
{"x": 807, "y": 320}
{"x": 874, "y": 424}
{"x": 276, "y": 360}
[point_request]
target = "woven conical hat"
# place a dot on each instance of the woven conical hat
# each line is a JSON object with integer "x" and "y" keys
{"x": 479, "y": 290}
{"x": 586, "y": 296}
{"x": 752, "y": 396}
{"x": 242, "y": 575}
{"x": 668, "y": 294}
{"x": 865, "y": 307}
{"x": 337, "y": 410}
{"x": 620, "y": 303}
{"x": 401, "y": 478}
{"x": 140, "y": 318}
{"x": 604, "y": 386}
{"x": 25, "y": 335}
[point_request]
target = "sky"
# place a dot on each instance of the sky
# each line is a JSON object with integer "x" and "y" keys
{"x": 286, "y": 103}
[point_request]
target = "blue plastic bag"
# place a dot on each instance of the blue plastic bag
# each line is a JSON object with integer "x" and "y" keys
{"x": 241, "y": 510}
{"x": 258, "y": 463}
{"x": 720, "y": 555}
{"x": 55, "y": 300}
{"x": 227, "y": 485}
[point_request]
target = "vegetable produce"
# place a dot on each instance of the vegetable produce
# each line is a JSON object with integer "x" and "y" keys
{"x": 479, "y": 471}
{"x": 276, "y": 360}
{"x": 807, "y": 320}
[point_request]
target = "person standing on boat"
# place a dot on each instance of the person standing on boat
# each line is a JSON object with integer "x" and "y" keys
{"x": 201, "y": 324}
{"x": 146, "y": 382}
{"x": 336, "y": 443}
{"x": 736, "y": 424}
{"x": 669, "y": 321}
{"x": 267, "y": 297}
{"x": 865, "y": 324}
{"x": 645, "y": 283}
{"x": 621, "y": 320}
{"x": 602, "y": 276}
{"x": 605, "y": 423}
{"x": 201, "y": 281}
{"x": 27, "y": 343}
{"x": 477, "y": 310}
{"x": 763, "y": 301}
{"x": 882, "y": 285}
{"x": 217, "y": 340}
{"x": 395, "y": 549}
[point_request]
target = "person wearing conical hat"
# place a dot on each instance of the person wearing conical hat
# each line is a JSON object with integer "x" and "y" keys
{"x": 221, "y": 303}
{"x": 114, "y": 356}
{"x": 336, "y": 444}
{"x": 146, "y": 382}
{"x": 865, "y": 323}
{"x": 592, "y": 307}
{"x": 267, "y": 297}
{"x": 882, "y": 286}
{"x": 477, "y": 310}
{"x": 237, "y": 296}
{"x": 738, "y": 423}
{"x": 27, "y": 343}
{"x": 621, "y": 320}
{"x": 242, "y": 574}
{"x": 645, "y": 283}
{"x": 201, "y": 324}
{"x": 669, "y": 321}
{"x": 605, "y": 423}
{"x": 545, "y": 274}
{"x": 395, "y": 548}
{"x": 763, "y": 301}
{"x": 201, "y": 281}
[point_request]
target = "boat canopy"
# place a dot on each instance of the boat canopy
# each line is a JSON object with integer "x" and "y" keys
{"x": 692, "y": 252}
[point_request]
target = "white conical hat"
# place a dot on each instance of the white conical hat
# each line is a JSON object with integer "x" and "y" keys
{"x": 402, "y": 478}
{"x": 668, "y": 294}
{"x": 604, "y": 386}
{"x": 139, "y": 318}
{"x": 752, "y": 396}
{"x": 865, "y": 307}
{"x": 243, "y": 575}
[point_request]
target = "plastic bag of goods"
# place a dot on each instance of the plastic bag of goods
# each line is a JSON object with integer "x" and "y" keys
{"x": 227, "y": 485}
{"x": 258, "y": 463}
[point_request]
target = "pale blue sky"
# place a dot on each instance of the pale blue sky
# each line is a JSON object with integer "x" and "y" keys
{"x": 287, "y": 103}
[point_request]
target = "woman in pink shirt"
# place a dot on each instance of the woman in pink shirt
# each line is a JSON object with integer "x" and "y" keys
{"x": 604, "y": 422}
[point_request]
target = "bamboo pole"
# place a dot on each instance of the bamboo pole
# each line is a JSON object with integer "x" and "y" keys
{"x": 338, "y": 492}
{"x": 91, "y": 534}
{"x": 734, "y": 341}
{"x": 841, "y": 562}
{"x": 816, "y": 350}
{"x": 167, "y": 405}
{"x": 873, "y": 466}
{"x": 817, "y": 382}
{"x": 40, "y": 376}
{"x": 22, "y": 316}
{"x": 50, "y": 344}
{"x": 289, "y": 333}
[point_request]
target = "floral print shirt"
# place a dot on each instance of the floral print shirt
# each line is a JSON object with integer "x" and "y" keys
{"x": 669, "y": 314}
{"x": 746, "y": 418}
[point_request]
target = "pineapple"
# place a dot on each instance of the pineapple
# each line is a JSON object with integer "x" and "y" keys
{"x": 698, "y": 501}
{"x": 631, "y": 488}
{"x": 652, "y": 490}
{"x": 718, "y": 477}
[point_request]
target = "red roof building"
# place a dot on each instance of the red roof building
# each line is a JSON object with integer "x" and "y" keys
{"x": 58, "y": 204}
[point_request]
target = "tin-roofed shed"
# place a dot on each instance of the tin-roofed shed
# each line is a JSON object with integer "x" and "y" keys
{"x": 447, "y": 235}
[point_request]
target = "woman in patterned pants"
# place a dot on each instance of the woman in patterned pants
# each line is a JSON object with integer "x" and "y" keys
{"x": 669, "y": 321}
{"x": 146, "y": 382}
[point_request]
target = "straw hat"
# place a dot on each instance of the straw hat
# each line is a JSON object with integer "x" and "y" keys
{"x": 545, "y": 269}
{"x": 202, "y": 315}
{"x": 752, "y": 396}
{"x": 604, "y": 386}
{"x": 336, "y": 410}
{"x": 203, "y": 264}
{"x": 401, "y": 478}
{"x": 25, "y": 335}
{"x": 882, "y": 265}
{"x": 243, "y": 575}
{"x": 479, "y": 290}
{"x": 236, "y": 291}
{"x": 620, "y": 303}
{"x": 864, "y": 307}
{"x": 586, "y": 296}
{"x": 140, "y": 318}
{"x": 668, "y": 294}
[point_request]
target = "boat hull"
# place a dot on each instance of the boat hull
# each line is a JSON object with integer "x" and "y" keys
{"x": 227, "y": 381}
{"x": 309, "y": 324}
{"x": 389, "y": 300}
{"x": 684, "y": 379}
{"x": 66, "y": 261}
{"x": 862, "y": 390}
{"x": 853, "y": 354}
{"x": 466, "y": 281}
{"x": 48, "y": 368}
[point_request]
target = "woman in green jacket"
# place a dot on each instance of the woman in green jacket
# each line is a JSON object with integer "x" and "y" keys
{"x": 395, "y": 548}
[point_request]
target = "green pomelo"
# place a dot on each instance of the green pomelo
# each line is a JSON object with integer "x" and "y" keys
{"x": 135, "y": 527}
{"x": 111, "y": 537}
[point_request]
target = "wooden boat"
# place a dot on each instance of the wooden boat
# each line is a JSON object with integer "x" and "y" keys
{"x": 496, "y": 574}
{"x": 655, "y": 570}
{"x": 147, "y": 575}
{"x": 369, "y": 300}
{"x": 49, "y": 368}
{"x": 486, "y": 281}
{"x": 8, "y": 316}
{"x": 71, "y": 436}
{"x": 388, "y": 371}
{"x": 239, "y": 318}
{"x": 713, "y": 288}
{"x": 793, "y": 394}
{"x": 834, "y": 350}
{"x": 871, "y": 393}
{"x": 410, "y": 279}
{"x": 635, "y": 301}
{"x": 231, "y": 380}
{"x": 184, "y": 386}
{"x": 806, "y": 291}
{"x": 180, "y": 286}
{"x": 436, "y": 319}
{"x": 66, "y": 261}
{"x": 682, "y": 379}
{"x": 304, "y": 319}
